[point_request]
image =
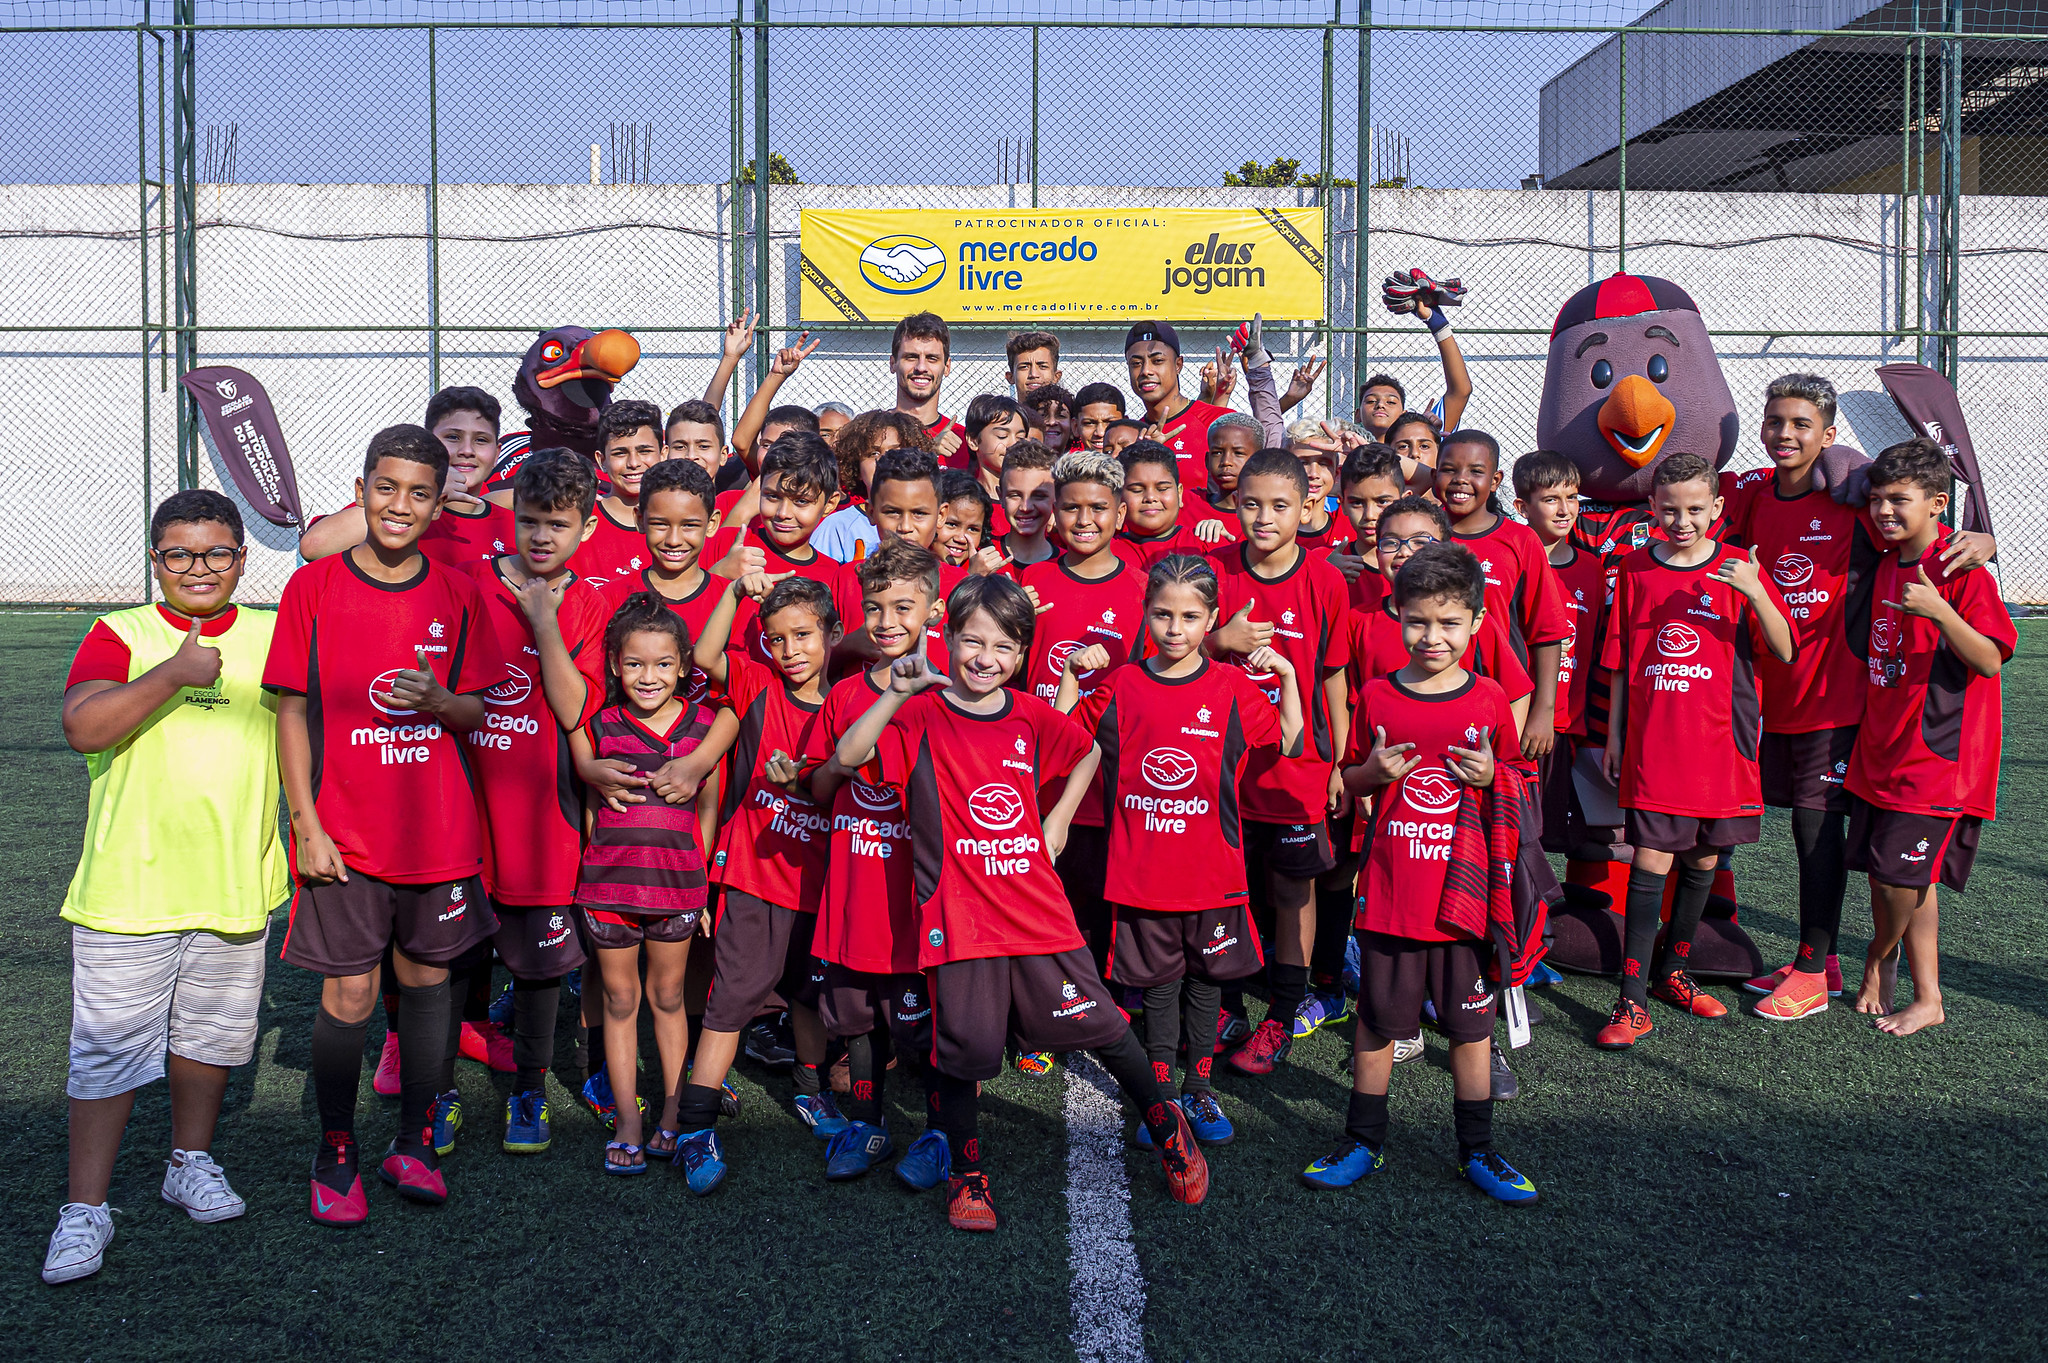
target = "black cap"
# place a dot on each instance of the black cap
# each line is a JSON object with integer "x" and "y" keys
{"x": 1154, "y": 331}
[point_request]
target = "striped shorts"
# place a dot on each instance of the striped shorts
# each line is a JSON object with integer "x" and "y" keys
{"x": 134, "y": 996}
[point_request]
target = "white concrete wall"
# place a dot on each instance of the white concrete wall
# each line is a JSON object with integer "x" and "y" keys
{"x": 644, "y": 257}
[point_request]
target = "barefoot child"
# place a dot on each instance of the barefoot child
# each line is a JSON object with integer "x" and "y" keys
{"x": 1925, "y": 770}
{"x": 642, "y": 886}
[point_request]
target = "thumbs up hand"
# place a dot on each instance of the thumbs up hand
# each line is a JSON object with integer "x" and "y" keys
{"x": 196, "y": 663}
{"x": 416, "y": 688}
{"x": 1242, "y": 634}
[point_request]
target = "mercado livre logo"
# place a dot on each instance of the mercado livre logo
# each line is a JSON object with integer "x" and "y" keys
{"x": 902, "y": 263}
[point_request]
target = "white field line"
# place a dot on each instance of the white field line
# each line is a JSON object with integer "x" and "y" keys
{"x": 1108, "y": 1289}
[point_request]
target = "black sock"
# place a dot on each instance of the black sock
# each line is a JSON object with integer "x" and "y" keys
{"x": 697, "y": 1107}
{"x": 1233, "y": 999}
{"x": 864, "y": 1080}
{"x": 1365, "y": 1120}
{"x": 1198, "y": 1003}
{"x": 458, "y": 985}
{"x": 1821, "y": 839}
{"x": 1125, "y": 1060}
{"x": 391, "y": 1006}
{"x": 476, "y": 1000}
{"x": 337, "y": 1069}
{"x": 1473, "y": 1118}
{"x": 806, "y": 1079}
{"x": 1644, "y": 906}
{"x": 1687, "y": 904}
{"x": 1290, "y": 987}
{"x": 425, "y": 1024}
{"x": 533, "y": 1030}
{"x": 1336, "y": 905}
{"x": 959, "y": 1116}
{"x": 1162, "y": 1030}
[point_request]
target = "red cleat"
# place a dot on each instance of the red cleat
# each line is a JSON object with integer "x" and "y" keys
{"x": 1268, "y": 1046}
{"x": 337, "y": 1195}
{"x": 1626, "y": 1025}
{"x": 487, "y": 1044}
{"x": 968, "y": 1205}
{"x": 1681, "y": 991}
{"x": 385, "y": 1083}
{"x": 1187, "y": 1172}
{"x": 414, "y": 1170}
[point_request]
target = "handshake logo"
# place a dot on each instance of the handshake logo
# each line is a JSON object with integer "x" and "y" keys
{"x": 902, "y": 263}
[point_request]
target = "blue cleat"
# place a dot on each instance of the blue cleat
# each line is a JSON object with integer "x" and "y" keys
{"x": 447, "y": 1117}
{"x": 820, "y": 1114}
{"x": 1314, "y": 1011}
{"x": 526, "y": 1123}
{"x": 702, "y": 1159}
{"x": 927, "y": 1163}
{"x": 597, "y": 1095}
{"x": 1353, "y": 967}
{"x": 573, "y": 982}
{"x": 1344, "y": 1167}
{"x": 1498, "y": 1179}
{"x": 857, "y": 1149}
{"x": 1542, "y": 977}
{"x": 1206, "y": 1119}
{"x": 501, "y": 1010}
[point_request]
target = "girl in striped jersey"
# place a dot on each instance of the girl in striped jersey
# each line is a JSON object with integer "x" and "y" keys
{"x": 643, "y": 879}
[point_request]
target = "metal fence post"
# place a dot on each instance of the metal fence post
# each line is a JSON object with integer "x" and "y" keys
{"x": 1361, "y": 212}
{"x": 1621, "y": 168}
{"x": 142, "y": 254}
{"x": 739, "y": 259}
{"x": 1948, "y": 311}
{"x": 185, "y": 113}
{"x": 761, "y": 309}
{"x": 433, "y": 220}
{"x": 1326, "y": 188}
{"x": 1034, "y": 115}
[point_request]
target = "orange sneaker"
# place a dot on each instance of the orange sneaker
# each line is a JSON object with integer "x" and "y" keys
{"x": 1800, "y": 994}
{"x": 1625, "y": 1026}
{"x": 1680, "y": 991}
{"x": 1187, "y": 1171}
{"x": 967, "y": 1203}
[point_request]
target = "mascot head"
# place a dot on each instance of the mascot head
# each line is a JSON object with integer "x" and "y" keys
{"x": 565, "y": 381}
{"x": 1631, "y": 378}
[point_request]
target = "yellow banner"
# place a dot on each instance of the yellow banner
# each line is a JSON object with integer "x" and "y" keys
{"x": 1070, "y": 264}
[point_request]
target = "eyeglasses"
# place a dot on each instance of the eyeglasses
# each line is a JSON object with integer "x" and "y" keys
{"x": 1387, "y": 544}
{"x": 179, "y": 562}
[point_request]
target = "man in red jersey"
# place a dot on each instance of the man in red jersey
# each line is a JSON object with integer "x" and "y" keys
{"x": 1152, "y": 354}
{"x": 921, "y": 356}
{"x": 380, "y": 657}
{"x": 1688, "y": 617}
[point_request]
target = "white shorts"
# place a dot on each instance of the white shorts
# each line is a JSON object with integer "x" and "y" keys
{"x": 196, "y": 994}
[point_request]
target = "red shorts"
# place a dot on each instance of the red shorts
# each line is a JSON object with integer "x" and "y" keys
{"x": 853, "y": 1002}
{"x": 1049, "y": 1003}
{"x": 1807, "y": 771}
{"x": 538, "y": 942}
{"x": 1682, "y": 833}
{"x": 1911, "y": 850}
{"x": 760, "y": 949}
{"x": 342, "y": 928}
{"x": 1397, "y": 973}
{"x": 612, "y": 931}
{"x": 1209, "y": 944}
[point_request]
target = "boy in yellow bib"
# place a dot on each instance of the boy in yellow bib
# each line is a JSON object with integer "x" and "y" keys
{"x": 181, "y": 868}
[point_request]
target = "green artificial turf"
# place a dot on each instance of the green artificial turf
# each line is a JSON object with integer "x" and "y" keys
{"x": 1731, "y": 1189}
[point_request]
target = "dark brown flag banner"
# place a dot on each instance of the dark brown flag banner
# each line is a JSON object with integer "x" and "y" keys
{"x": 1929, "y": 404}
{"x": 245, "y": 432}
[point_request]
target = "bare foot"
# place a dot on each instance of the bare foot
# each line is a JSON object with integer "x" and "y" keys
{"x": 1867, "y": 993}
{"x": 1915, "y": 1015}
{"x": 1887, "y": 982}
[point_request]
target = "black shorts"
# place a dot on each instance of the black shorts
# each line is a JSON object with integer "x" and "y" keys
{"x": 1911, "y": 850}
{"x": 609, "y": 930}
{"x": 1299, "y": 851}
{"x": 1682, "y": 833}
{"x": 853, "y": 1002}
{"x": 1807, "y": 771}
{"x": 1049, "y": 1003}
{"x": 538, "y": 942}
{"x": 1397, "y": 973}
{"x": 342, "y": 928}
{"x": 1208, "y": 944}
{"x": 1083, "y": 867}
{"x": 760, "y": 949}
{"x": 1554, "y": 792}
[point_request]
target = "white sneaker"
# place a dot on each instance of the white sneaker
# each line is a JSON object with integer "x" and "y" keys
{"x": 79, "y": 1243}
{"x": 193, "y": 1181}
{"x": 1407, "y": 1048}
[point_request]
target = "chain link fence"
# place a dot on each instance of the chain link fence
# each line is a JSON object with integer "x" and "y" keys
{"x": 361, "y": 203}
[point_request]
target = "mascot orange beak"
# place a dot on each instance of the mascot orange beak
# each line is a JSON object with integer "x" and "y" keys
{"x": 1636, "y": 418}
{"x": 606, "y": 357}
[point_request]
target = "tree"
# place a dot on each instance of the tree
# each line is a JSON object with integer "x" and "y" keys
{"x": 1284, "y": 173}
{"x": 780, "y": 172}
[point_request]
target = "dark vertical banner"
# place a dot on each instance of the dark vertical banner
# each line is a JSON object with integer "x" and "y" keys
{"x": 246, "y": 435}
{"x": 1929, "y": 404}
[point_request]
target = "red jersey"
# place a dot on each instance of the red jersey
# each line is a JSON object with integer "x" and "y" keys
{"x": 1819, "y": 554}
{"x": 391, "y": 787}
{"x": 982, "y": 875}
{"x": 1306, "y": 606}
{"x": 770, "y": 845}
{"x": 527, "y": 793}
{"x": 868, "y": 918}
{"x": 1187, "y": 435}
{"x": 1582, "y": 584}
{"x": 1337, "y": 533}
{"x": 1080, "y": 611}
{"x": 1149, "y": 549}
{"x": 1375, "y": 648}
{"x": 1931, "y": 727}
{"x": 1684, "y": 643}
{"x": 846, "y": 599}
{"x": 695, "y": 609}
{"x": 458, "y": 540}
{"x": 808, "y": 562}
{"x": 613, "y": 550}
{"x": 1402, "y": 882}
{"x": 1173, "y": 750}
{"x": 1520, "y": 586}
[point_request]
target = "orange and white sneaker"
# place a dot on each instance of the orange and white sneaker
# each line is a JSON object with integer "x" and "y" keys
{"x": 1768, "y": 984}
{"x": 1627, "y": 1024}
{"x": 968, "y": 1205}
{"x": 1681, "y": 991}
{"x": 1800, "y": 994}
